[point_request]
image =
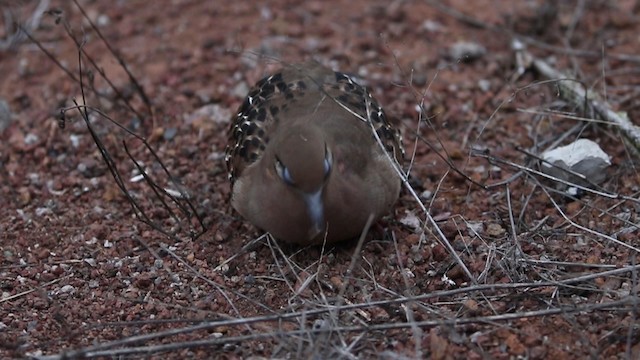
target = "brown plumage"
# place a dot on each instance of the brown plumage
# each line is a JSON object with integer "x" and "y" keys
{"x": 303, "y": 160}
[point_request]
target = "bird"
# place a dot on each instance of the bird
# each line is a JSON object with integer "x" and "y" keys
{"x": 311, "y": 156}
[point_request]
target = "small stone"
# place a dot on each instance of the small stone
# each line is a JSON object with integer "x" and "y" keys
{"x": 67, "y": 289}
{"x": 170, "y": 133}
{"x": 240, "y": 90}
{"x": 336, "y": 281}
{"x": 218, "y": 113}
{"x": 466, "y": 51}
{"x": 31, "y": 139}
{"x": 475, "y": 227}
{"x": 103, "y": 20}
{"x": 431, "y": 26}
{"x": 411, "y": 220}
{"x": 43, "y": 254}
{"x": 5, "y": 115}
{"x": 582, "y": 156}
{"x": 484, "y": 85}
{"x": 42, "y": 211}
{"x": 90, "y": 169}
{"x": 495, "y": 230}
{"x": 471, "y": 304}
{"x": 90, "y": 261}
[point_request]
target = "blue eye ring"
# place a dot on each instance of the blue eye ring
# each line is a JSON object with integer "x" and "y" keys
{"x": 283, "y": 173}
{"x": 328, "y": 162}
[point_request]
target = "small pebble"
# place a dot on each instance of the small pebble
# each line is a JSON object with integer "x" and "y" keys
{"x": 158, "y": 264}
{"x": 467, "y": 51}
{"x": 5, "y": 115}
{"x": 67, "y": 289}
{"x": 170, "y": 133}
{"x": 426, "y": 195}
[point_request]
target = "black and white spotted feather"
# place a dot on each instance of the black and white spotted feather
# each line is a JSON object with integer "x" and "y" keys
{"x": 276, "y": 98}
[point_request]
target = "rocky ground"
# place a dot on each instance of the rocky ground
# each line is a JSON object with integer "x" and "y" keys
{"x": 510, "y": 267}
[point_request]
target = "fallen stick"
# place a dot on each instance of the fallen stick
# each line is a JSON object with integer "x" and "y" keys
{"x": 575, "y": 92}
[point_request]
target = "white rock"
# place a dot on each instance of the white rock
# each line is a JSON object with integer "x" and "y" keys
{"x": 410, "y": 220}
{"x": 467, "y": 51}
{"x": 475, "y": 227}
{"x": 67, "y": 289}
{"x": 582, "y": 156}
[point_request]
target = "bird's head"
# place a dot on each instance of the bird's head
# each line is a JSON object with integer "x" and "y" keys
{"x": 302, "y": 163}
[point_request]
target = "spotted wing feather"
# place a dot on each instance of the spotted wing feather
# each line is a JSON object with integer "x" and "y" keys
{"x": 248, "y": 135}
{"x": 274, "y": 95}
{"x": 359, "y": 100}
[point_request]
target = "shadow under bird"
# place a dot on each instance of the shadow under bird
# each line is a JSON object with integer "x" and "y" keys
{"x": 303, "y": 158}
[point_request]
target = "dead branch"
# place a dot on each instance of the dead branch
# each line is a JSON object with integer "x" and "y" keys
{"x": 576, "y": 93}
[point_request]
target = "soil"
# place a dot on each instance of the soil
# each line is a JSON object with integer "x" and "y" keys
{"x": 510, "y": 267}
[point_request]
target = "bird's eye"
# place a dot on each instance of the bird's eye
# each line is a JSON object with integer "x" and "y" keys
{"x": 283, "y": 173}
{"x": 328, "y": 162}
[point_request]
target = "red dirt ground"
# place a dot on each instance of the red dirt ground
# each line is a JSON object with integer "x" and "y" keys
{"x": 550, "y": 276}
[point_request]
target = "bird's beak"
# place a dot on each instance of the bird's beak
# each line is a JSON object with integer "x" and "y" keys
{"x": 315, "y": 208}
